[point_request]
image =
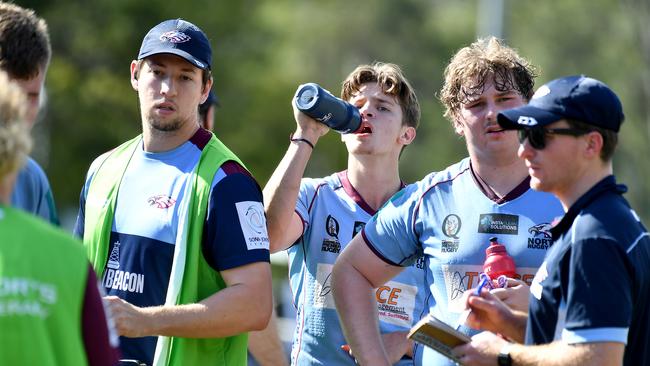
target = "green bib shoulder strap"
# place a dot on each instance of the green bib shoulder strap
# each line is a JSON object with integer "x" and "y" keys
{"x": 191, "y": 278}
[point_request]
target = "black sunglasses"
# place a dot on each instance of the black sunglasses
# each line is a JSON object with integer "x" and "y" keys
{"x": 537, "y": 135}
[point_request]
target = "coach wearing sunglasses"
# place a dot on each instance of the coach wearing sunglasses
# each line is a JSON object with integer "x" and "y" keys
{"x": 589, "y": 300}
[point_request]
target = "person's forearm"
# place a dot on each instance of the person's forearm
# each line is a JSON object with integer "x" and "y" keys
{"x": 266, "y": 346}
{"x": 562, "y": 354}
{"x": 357, "y": 310}
{"x": 281, "y": 193}
{"x": 233, "y": 310}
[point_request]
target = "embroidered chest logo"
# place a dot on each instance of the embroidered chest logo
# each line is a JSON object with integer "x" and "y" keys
{"x": 541, "y": 236}
{"x": 332, "y": 243}
{"x": 450, "y": 227}
{"x": 161, "y": 201}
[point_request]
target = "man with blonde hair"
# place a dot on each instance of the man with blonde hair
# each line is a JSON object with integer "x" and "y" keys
{"x": 450, "y": 216}
{"x": 51, "y": 312}
{"x": 314, "y": 219}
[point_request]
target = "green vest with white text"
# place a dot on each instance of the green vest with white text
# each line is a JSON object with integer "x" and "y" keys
{"x": 192, "y": 279}
{"x": 43, "y": 277}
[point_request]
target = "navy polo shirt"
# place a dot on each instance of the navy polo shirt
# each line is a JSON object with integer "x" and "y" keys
{"x": 594, "y": 285}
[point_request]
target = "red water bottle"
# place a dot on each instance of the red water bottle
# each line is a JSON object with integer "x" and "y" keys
{"x": 498, "y": 262}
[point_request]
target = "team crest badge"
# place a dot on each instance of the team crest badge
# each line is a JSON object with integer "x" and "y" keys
{"x": 174, "y": 36}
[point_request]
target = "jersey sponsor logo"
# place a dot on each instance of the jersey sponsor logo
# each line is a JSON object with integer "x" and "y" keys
{"x": 253, "y": 224}
{"x": 396, "y": 302}
{"x": 322, "y": 287}
{"x": 542, "y": 238}
{"x": 498, "y": 224}
{"x": 449, "y": 246}
{"x": 358, "y": 226}
{"x": 451, "y": 226}
{"x": 420, "y": 263}
{"x": 536, "y": 287}
{"x": 460, "y": 278}
{"x": 123, "y": 281}
{"x": 161, "y": 201}
{"x": 114, "y": 257}
{"x": 332, "y": 246}
{"x": 20, "y": 296}
{"x": 332, "y": 226}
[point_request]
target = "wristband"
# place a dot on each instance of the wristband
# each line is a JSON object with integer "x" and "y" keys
{"x": 300, "y": 140}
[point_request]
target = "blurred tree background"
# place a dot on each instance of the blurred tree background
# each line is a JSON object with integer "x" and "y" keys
{"x": 263, "y": 49}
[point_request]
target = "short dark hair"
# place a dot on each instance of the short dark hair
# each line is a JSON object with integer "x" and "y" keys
{"x": 610, "y": 137}
{"x": 25, "y": 48}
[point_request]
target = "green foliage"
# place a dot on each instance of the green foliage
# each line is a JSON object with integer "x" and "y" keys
{"x": 263, "y": 49}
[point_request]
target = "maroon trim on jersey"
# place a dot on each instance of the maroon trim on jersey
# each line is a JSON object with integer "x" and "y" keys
{"x": 417, "y": 206}
{"x": 94, "y": 327}
{"x": 356, "y": 197}
{"x": 201, "y": 138}
{"x": 302, "y": 220}
{"x": 372, "y": 248}
{"x": 313, "y": 199}
{"x": 520, "y": 189}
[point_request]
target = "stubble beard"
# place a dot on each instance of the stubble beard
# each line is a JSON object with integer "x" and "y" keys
{"x": 161, "y": 126}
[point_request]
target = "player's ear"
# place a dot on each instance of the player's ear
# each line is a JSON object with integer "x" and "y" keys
{"x": 135, "y": 68}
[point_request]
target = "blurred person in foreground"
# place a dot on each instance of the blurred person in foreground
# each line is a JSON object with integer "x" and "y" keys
{"x": 173, "y": 222}
{"x": 25, "y": 54}
{"x": 590, "y": 299}
{"x": 314, "y": 219}
{"x": 51, "y": 312}
{"x": 449, "y": 216}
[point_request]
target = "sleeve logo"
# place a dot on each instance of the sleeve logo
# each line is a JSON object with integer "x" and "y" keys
{"x": 253, "y": 224}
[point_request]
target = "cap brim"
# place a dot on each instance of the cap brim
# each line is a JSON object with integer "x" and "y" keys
{"x": 525, "y": 117}
{"x": 175, "y": 51}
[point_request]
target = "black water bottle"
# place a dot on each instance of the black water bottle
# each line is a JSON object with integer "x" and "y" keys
{"x": 322, "y": 106}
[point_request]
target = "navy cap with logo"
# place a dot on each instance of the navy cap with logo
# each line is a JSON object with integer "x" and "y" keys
{"x": 181, "y": 38}
{"x": 577, "y": 97}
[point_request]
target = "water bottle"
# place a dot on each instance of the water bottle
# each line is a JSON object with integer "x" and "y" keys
{"x": 322, "y": 106}
{"x": 498, "y": 262}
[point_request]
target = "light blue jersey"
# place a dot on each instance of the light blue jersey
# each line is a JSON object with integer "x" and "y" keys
{"x": 32, "y": 192}
{"x": 449, "y": 218}
{"x": 332, "y": 212}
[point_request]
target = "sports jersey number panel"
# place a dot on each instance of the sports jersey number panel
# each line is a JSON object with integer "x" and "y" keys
{"x": 448, "y": 218}
{"x": 332, "y": 213}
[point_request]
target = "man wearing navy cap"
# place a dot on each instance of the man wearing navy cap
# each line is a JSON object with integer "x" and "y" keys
{"x": 589, "y": 299}
{"x": 172, "y": 221}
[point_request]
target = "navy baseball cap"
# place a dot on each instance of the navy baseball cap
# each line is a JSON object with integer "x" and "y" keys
{"x": 577, "y": 97}
{"x": 181, "y": 38}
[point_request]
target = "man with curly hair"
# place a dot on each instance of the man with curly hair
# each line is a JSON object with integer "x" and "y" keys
{"x": 450, "y": 216}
